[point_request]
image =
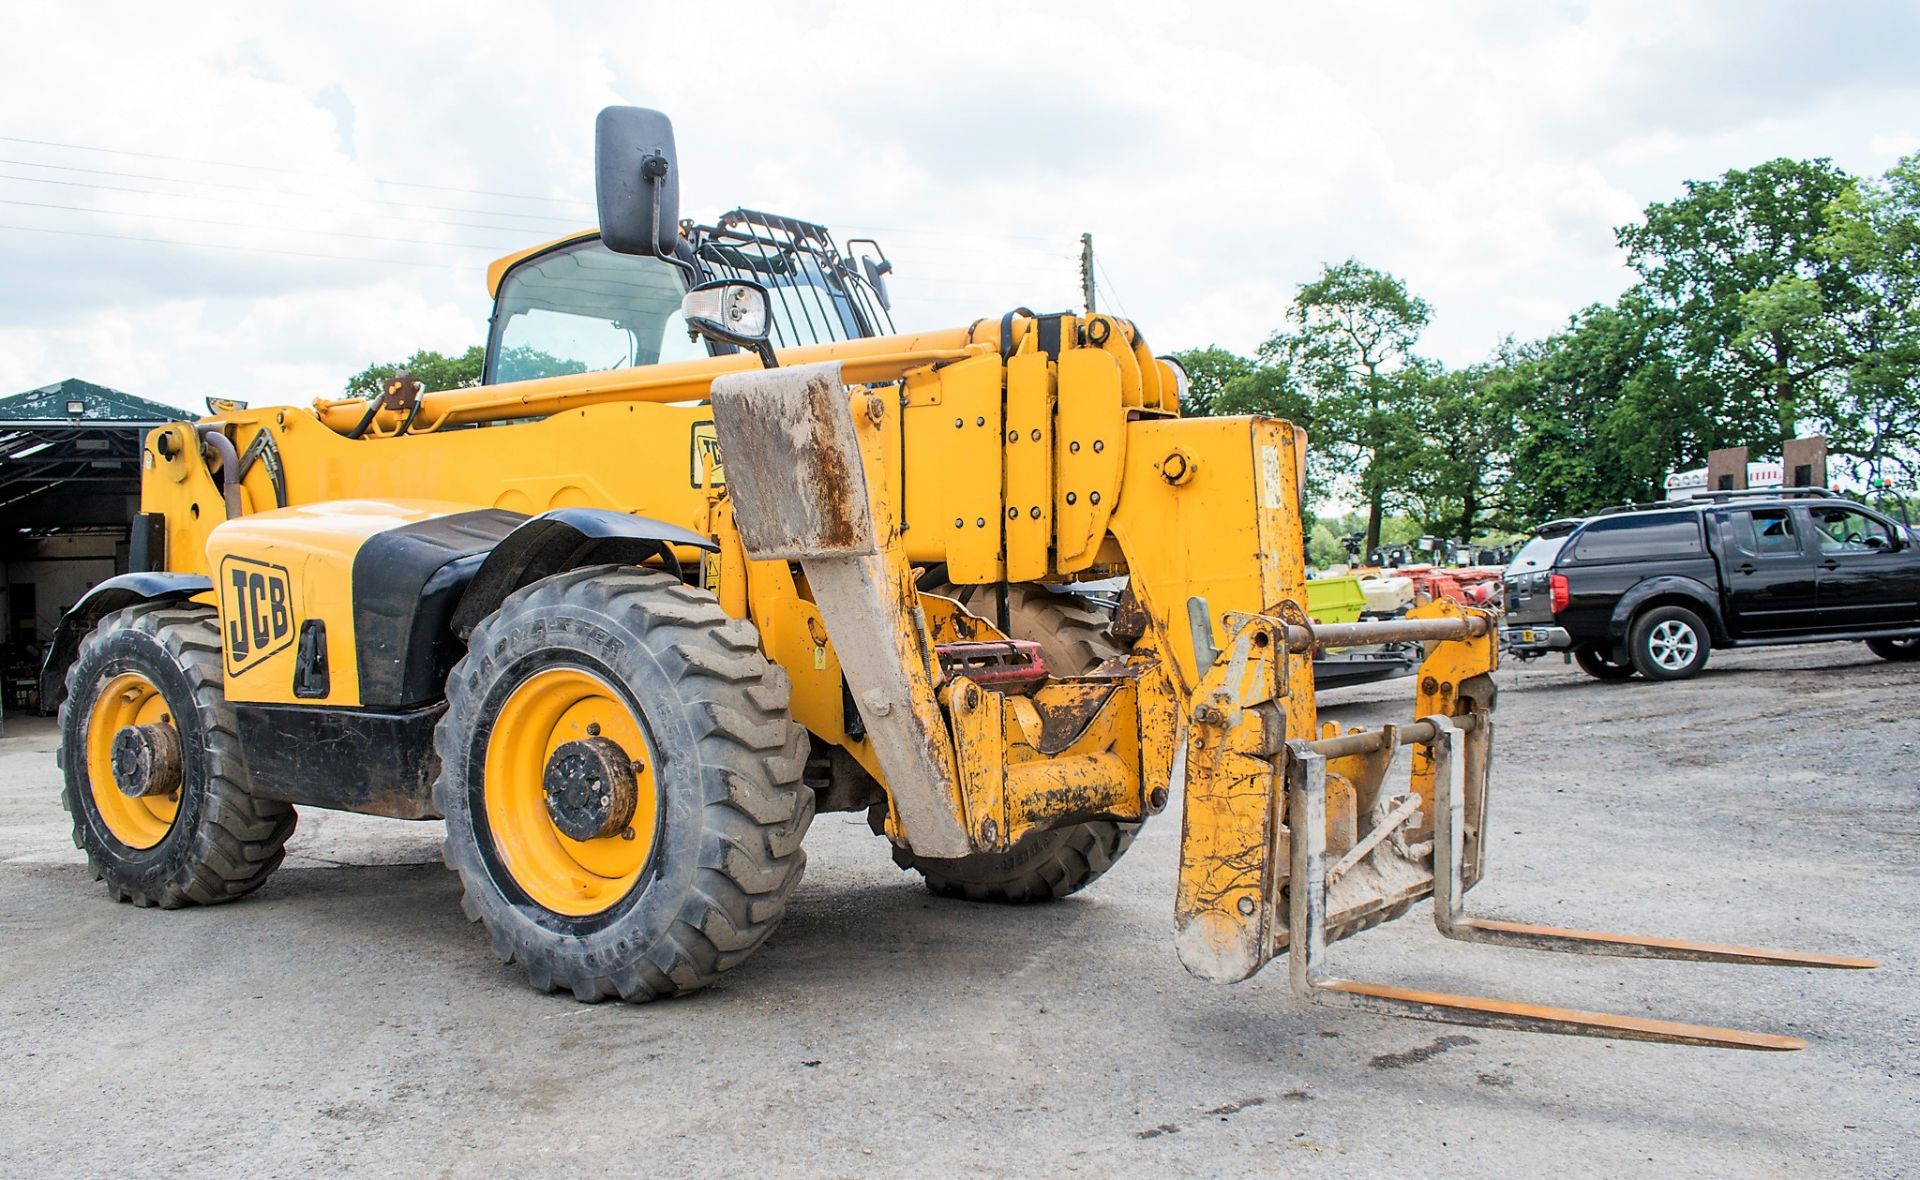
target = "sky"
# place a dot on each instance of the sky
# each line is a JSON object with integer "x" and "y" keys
{"x": 256, "y": 201}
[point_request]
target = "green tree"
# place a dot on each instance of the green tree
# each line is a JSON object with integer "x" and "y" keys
{"x": 1355, "y": 328}
{"x": 1748, "y": 305}
{"x": 1873, "y": 237}
{"x": 1597, "y": 416}
{"x": 434, "y": 370}
{"x": 1465, "y": 420}
{"x": 1323, "y": 546}
{"x": 1209, "y": 371}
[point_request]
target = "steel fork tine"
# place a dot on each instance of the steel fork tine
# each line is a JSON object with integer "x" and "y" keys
{"x": 1312, "y": 981}
{"x": 1449, "y": 891}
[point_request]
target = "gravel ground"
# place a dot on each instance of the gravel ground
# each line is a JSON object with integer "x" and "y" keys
{"x": 347, "y": 1018}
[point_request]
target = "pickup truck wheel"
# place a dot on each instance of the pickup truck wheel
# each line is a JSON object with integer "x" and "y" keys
{"x": 1897, "y": 650}
{"x": 1668, "y": 643}
{"x": 1595, "y": 663}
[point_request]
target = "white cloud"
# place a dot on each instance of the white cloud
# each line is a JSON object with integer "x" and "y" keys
{"x": 1219, "y": 154}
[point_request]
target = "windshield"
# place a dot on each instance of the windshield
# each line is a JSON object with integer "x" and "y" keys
{"x": 1537, "y": 554}
{"x": 585, "y": 309}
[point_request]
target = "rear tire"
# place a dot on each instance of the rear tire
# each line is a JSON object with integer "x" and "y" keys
{"x": 1900, "y": 651}
{"x": 1051, "y": 864}
{"x": 1071, "y": 632}
{"x": 702, "y": 872}
{"x": 1043, "y": 866}
{"x": 1668, "y": 643}
{"x": 210, "y": 840}
{"x": 1595, "y": 663}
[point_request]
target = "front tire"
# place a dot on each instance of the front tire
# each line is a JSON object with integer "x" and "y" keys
{"x": 1668, "y": 643}
{"x": 200, "y": 838}
{"x": 1051, "y": 864}
{"x": 574, "y": 680}
{"x": 1899, "y": 651}
{"x": 1595, "y": 662}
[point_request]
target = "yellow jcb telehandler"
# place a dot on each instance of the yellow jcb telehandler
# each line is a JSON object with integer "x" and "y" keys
{"x": 713, "y": 548}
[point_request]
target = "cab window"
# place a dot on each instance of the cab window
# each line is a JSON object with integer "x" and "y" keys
{"x": 1847, "y": 530}
{"x": 1627, "y": 538}
{"x": 585, "y": 309}
{"x": 1764, "y": 532}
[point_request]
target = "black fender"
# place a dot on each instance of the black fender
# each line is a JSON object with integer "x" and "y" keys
{"x": 121, "y": 590}
{"x": 564, "y": 539}
{"x": 1699, "y": 597}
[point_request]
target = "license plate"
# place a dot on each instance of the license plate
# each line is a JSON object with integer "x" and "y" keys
{"x": 1528, "y": 636}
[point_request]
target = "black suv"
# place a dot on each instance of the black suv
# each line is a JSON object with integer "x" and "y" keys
{"x": 1651, "y": 588}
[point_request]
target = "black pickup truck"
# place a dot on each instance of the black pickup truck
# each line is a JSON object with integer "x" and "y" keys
{"x": 1652, "y": 588}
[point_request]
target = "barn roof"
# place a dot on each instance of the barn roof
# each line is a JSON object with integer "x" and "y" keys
{"x": 77, "y": 401}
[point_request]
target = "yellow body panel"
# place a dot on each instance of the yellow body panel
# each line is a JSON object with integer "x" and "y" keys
{"x": 273, "y": 571}
{"x": 1029, "y": 464}
{"x": 953, "y": 446}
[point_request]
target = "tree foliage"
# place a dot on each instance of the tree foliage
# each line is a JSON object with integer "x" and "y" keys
{"x": 1742, "y": 296}
{"x": 437, "y": 371}
{"x": 1350, "y": 348}
{"x": 434, "y": 371}
{"x": 1209, "y": 371}
{"x": 1770, "y": 302}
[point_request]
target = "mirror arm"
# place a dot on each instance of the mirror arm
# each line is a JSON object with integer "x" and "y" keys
{"x": 761, "y": 346}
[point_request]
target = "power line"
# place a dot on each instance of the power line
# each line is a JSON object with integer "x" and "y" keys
{"x": 249, "y": 203}
{"x": 331, "y": 233}
{"x": 254, "y": 188}
{"x": 473, "y": 192}
{"x": 937, "y": 233}
{"x": 81, "y": 233}
{"x": 1113, "y": 290}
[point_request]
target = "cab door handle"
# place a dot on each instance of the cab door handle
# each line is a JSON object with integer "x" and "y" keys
{"x": 1829, "y": 564}
{"x": 1745, "y": 567}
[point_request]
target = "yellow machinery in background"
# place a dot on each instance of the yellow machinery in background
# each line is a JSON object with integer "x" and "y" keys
{"x": 625, "y": 629}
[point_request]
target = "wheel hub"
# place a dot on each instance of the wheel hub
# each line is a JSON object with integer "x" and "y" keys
{"x": 1673, "y": 644}
{"x": 146, "y": 760}
{"x": 590, "y": 789}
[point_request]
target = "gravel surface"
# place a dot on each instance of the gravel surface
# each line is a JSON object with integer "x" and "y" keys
{"x": 347, "y": 1018}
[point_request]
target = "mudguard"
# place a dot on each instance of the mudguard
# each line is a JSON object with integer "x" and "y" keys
{"x": 121, "y": 590}
{"x": 1698, "y": 595}
{"x": 562, "y": 539}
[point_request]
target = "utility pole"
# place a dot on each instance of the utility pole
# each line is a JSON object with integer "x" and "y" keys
{"x": 1086, "y": 271}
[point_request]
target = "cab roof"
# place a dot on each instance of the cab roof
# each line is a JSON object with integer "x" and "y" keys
{"x": 498, "y": 268}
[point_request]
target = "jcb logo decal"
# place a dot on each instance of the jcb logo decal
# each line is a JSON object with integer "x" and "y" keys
{"x": 706, "y": 456}
{"x": 256, "y": 604}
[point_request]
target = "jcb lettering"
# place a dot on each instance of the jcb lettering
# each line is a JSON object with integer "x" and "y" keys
{"x": 257, "y": 608}
{"x": 237, "y": 644}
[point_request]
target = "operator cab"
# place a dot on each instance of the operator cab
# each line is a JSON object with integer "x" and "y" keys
{"x": 577, "y": 306}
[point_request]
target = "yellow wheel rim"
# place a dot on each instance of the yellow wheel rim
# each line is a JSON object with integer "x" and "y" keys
{"x": 128, "y": 699}
{"x": 572, "y": 877}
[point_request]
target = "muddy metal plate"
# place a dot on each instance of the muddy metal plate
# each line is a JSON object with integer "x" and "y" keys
{"x": 793, "y": 463}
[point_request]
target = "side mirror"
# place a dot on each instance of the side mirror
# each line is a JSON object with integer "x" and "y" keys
{"x": 874, "y": 272}
{"x": 877, "y": 273}
{"x": 637, "y": 181}
{"x": 733, "y": 312}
